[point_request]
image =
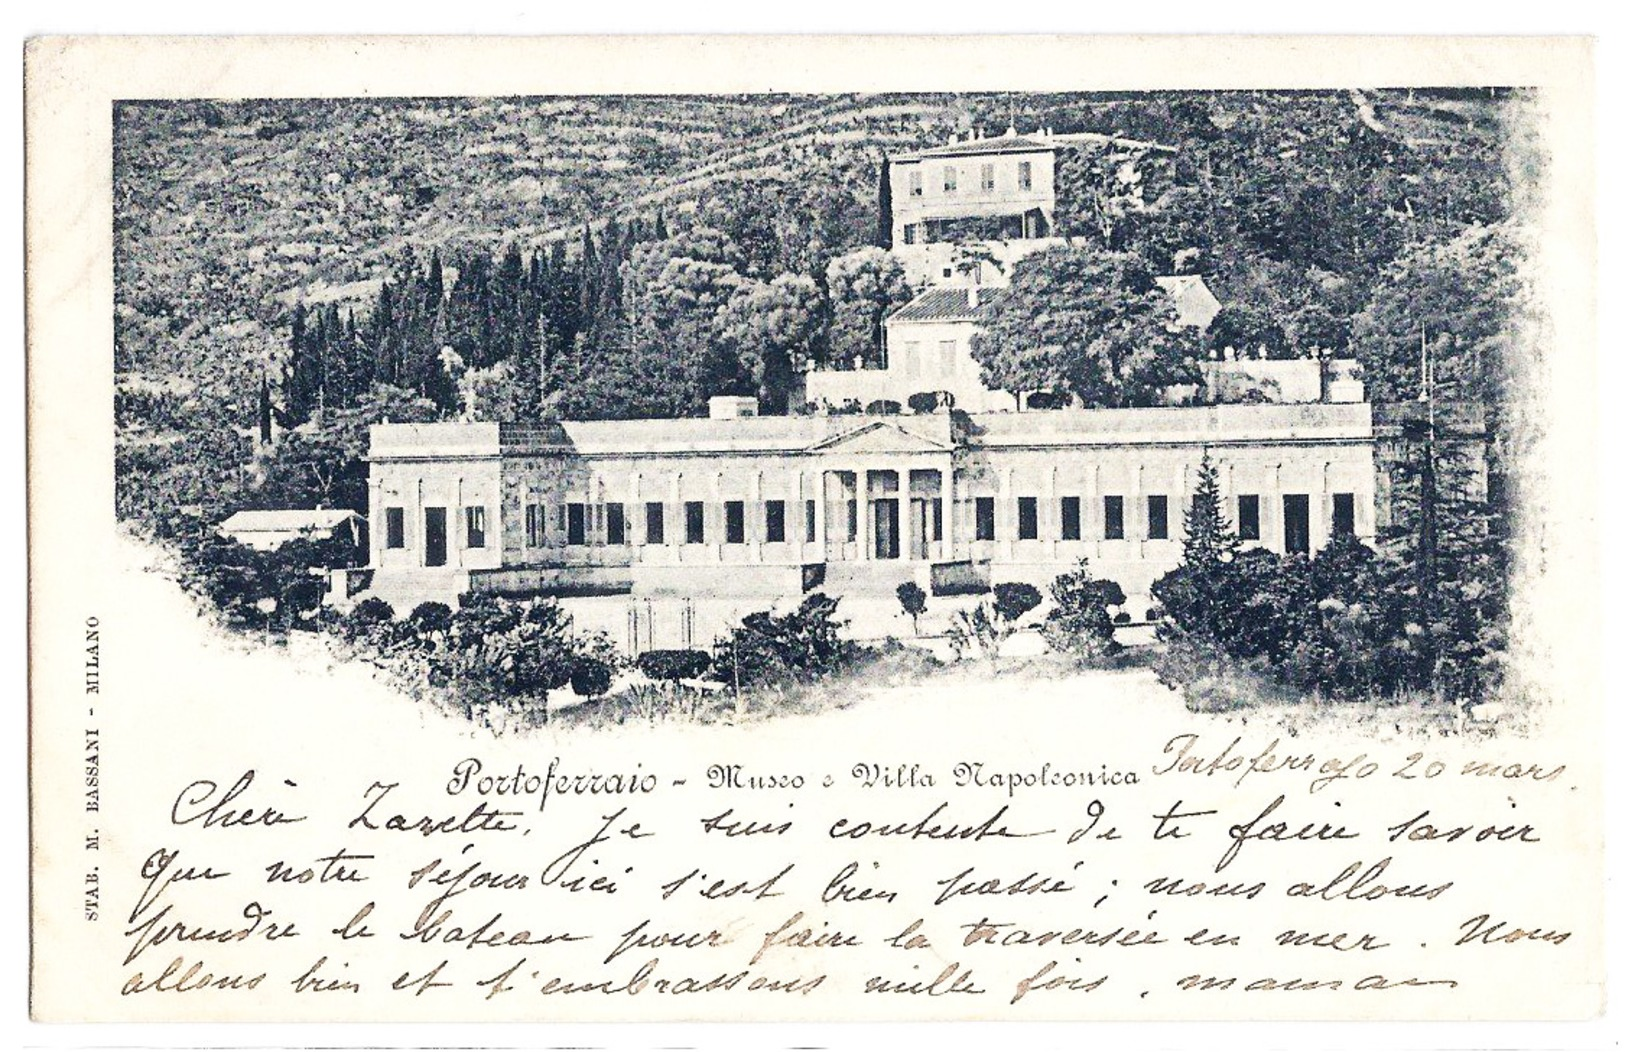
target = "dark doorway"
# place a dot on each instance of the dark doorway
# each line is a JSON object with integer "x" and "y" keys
{"x": 886, "y": 538}
{"x": 1342, "y": 514}
{"x": 434, "y": 536}
{"x": 1295, "y": 519}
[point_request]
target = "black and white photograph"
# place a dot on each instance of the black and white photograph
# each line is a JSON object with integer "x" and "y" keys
{"x": 1073, "y": 546}
{"x": 604, "y": 408}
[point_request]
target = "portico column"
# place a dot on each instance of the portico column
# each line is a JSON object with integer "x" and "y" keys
{"x": 795, "y": 517}
{"x": 905, "y": 514}
{"x": 947, "y": 487}
{"x": 861, "y": 492}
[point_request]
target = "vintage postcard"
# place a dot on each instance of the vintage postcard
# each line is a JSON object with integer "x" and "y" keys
{"x": 840, "y": 529}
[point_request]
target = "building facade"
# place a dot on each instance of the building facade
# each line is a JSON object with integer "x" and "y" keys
{"x": 873, "y": 487}
{"x": 773, "y": 506}
{"x": 927, "y": 352}
{"x": 996, "y": 191}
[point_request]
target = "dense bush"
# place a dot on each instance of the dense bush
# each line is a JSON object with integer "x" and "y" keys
{"x": 1337, "y": 623}
{"x": 912, "y": 599}
{"x": 371, "y": 611}
{"x": 673, "y": 665}
{"x": 1012, "y": 600}
{"x": 430, "y": 617}
{"x": 1080, "y": 618}
{"x": 930, "y": 401}
{"x": 277, "y": 589}
{"x": 371, "y": 621}
{"x": 591, "y": 677}
{"x": 774, "y": 650}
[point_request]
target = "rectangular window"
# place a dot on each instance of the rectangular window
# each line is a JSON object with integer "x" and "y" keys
{"x": 950, "y": 180}
{"x": 1247, "y": 517}
{"x": 533, "y": 525}
{"x": 916, "y": 183}
{"x": 987, "y": 177}
{"x": 474, "y": 521}
{"x": 1071, "y": 519}
{"x": 984, "y": 518}
{"x": 694, "y": 521}
{"x": 1027, "y": 518}
{"x": 1342, "y": 514}
{"x": 1295, "y": 522}
{"x": 1024, "y": 175}
{"x": 1114, "y": 518}
{"x": 575, "y": 524}
{"x": 911, "y": 233}
{"x": 812, "y": 521}
{"x": 775, "y": 521}
{"x": 654, "y": 522}
{"x": 614, "y": 524}
{"x": 1156, "y": 518}
{"x": 394, "y": 527}
{"x": 733, "y": 513}
{"x": 911, "y": 359}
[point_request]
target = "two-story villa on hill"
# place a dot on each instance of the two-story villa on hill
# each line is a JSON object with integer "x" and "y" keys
{"x": 738, "y": 504}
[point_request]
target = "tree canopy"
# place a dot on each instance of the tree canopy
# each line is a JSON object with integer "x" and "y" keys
{"x": 1092, "y": 324}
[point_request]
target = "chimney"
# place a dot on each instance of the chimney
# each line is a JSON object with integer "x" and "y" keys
{"x": 974, "y": 294}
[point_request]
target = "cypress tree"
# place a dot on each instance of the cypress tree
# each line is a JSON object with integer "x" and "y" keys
{"x": 883, "y": 231}
{"x": 1209, "y": 540}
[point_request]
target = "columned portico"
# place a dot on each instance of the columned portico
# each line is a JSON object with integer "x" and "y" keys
{"x": 754, "y": 506}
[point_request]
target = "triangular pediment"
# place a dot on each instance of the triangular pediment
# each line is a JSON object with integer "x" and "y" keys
{"x": 878, "y": 437}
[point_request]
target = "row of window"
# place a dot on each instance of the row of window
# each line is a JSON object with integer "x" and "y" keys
{"x": 913, "y": 364}
{"x": 1294, "y": 510}
{"x": 988, "y": 183}
{"x": 473, "y": 526}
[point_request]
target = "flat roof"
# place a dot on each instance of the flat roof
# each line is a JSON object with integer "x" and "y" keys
{"x": 1059, "y": 428}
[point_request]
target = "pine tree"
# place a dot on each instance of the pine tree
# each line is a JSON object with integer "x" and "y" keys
{"x": 1194, "y": 594}
{"x": 1209, "y": 540}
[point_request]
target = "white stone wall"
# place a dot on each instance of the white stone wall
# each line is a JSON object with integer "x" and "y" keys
{"x": 1267, "y": 451}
